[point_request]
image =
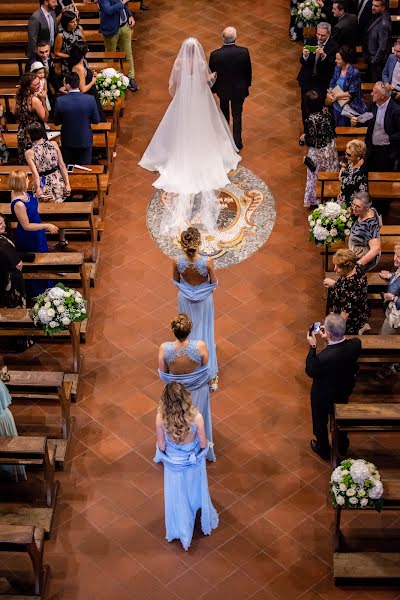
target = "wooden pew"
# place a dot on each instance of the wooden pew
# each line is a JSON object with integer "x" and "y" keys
{"x": 49, "y": 386}
{"x": 345, "y": 134}
{"x": 16, "y": 322}
{"x": 19, "y": 39}
{"x": 30, "y": 540}
{"x": 26, "y": 9}
{"x": 380, "y": 185}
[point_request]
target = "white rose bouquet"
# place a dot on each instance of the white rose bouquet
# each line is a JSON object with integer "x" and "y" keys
{"x": 111, "y": 85}
{"x": 356, "y": 484}
{"x": 329, "y": 223}
{"x": 308, "y": 13}
{"x": 57, "y": 307}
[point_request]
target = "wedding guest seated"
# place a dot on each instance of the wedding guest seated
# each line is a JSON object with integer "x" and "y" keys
{"x": 354, "y": 176}
{"x": 69, "y": 33}
{"x": 364, "y": 237}
{"x": 30, "y": 234}
{"x": 186, "y": 361}
{"x": 319, "y": 136}
{"x": 345, "y": 87}
{"x": 30, "y": 108}
{"x": 182, "y": 446}
{"x": 348, "y": 294}
{"x": 77, "y": 63}
{"x": 392, "y": 294}
{"x": 12, "y": 287}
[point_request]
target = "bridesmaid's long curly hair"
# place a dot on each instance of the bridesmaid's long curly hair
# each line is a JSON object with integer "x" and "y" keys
{"x": 190, "y": 241}
{"x": 24, "y": 89}
{"x": 177, "y": 411}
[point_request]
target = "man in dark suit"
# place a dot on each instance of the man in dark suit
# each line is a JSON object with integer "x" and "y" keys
{"x": 42, "y": 25}
{"x": 345, "y": 32}
{"x": 75, "y": 112}
{"x": 42, "y": 54}
{"x": 364, "y": 14}
{"x": 317, "y": 67}
{"x": 232, "y": 65}
{"x": 377, "y": 41}
{"x": 333, "y": 372}
{"x": 383, "y": 133}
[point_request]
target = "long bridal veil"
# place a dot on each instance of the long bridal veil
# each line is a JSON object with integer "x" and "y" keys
{"x": 192, "y": 148}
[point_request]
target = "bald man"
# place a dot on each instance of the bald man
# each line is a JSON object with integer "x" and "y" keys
{"x": 233, "y": 67}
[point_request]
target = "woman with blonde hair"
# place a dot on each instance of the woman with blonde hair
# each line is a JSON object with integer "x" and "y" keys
{"x": 186, "y": 361}
{"x": 349, "y": 293}
{"x": 30, "y": 235}
{"x": 182, "y": 446}
{"x": 194, "y": 276}
{"x": 354, "y": 176}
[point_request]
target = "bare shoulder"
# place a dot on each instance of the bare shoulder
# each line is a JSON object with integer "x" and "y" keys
{"x": 210, "y": 263}
{"x": 202, "y": 346}
{"x": 199, "y": 419}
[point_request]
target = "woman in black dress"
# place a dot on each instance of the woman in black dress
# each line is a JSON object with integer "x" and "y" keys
{"x": 78, "y": 64}
{"x": 354, "y": 176}
{"x": 348, "y": 295}
{"x": 12, "y": 287}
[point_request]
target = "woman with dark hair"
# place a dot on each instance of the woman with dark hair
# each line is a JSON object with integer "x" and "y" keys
{"x": 186, "y": 361}
{"x": 195, "y": 278}
{"x": 182, "y": 446}
{"x": 30, "y": 109}
{"x": 77, "y": 63}
{"x": 12, "y": 287}
{"x": 70, "y": 32}
{"x": 345, "y": 87}
{"x": 319, "y": 136}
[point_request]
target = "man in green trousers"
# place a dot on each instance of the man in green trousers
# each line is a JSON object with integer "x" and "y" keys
{"x": 116, "y": 24}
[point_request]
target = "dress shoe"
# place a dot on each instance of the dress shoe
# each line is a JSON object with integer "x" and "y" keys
{"x": 144, "y": 7}
{"x": 133, "y": 86}
{"x": 239, "y": 146}
{"x": 315, "y": 448}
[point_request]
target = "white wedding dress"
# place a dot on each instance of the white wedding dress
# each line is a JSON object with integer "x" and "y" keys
{"x": 193, "y": 148}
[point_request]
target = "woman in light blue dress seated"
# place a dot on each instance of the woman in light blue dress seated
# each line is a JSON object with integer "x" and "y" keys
{"x": 7, "y": 427}
{"x": 182, "y": 446}
{"x": 186, "y": 361}
{"x": 195, "y": 278}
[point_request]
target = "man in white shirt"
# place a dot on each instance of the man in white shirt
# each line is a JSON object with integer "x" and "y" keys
{"x": 42, "y": 26}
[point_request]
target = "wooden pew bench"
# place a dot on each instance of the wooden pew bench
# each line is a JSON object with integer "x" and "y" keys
{"x": 30, "y": 540}
{"x": 48, "y": 386}
{"x": 381, "y": 186}
{"x": 19, "y": 39}
{"x": 16, "y": 322}
{"x": 26, "y": 9}
{"x": 389, "y": 237}
{"x": 72, "y": 216}
{"x": 359, "y": 564}
{"x": 345, "y": 134}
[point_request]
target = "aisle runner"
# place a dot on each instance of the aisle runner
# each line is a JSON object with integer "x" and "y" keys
{"x": 245, "y": 222}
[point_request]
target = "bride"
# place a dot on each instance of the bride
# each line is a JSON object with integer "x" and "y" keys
{"x": 193, "y": 148}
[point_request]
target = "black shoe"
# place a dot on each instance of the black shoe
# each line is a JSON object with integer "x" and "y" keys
{"x": 133, "y": 86}
{"x": 144, "y": 6}
{"x": 239, "y": 146}
{"x": 315, "y": 448}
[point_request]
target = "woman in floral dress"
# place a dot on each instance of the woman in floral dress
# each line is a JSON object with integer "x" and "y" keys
{"x": 70, "y": 32}
{"x": 348, "y": 294}
{"x": 30, "y": 109}
{"x": 319, "y": 136}
{"x": 354, "y": 176}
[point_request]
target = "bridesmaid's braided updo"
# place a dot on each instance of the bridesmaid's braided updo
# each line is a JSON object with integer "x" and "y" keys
{"x": 190, "y": 241}
{"x": 181, "y": 326}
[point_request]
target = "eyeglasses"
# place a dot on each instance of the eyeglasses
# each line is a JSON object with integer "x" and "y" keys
{"x": 357, "y": 206}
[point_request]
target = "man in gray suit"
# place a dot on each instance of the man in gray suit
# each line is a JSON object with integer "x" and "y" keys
{"x": 377, "y": 40}
{"x": 42, "y": 26}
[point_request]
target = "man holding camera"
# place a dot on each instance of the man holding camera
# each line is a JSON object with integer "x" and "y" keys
{"x": 333, "y": 372}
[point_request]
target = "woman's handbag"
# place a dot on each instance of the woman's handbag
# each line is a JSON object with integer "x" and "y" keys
{"x": 310, "y": 164}
{"x": 393, "y": 315}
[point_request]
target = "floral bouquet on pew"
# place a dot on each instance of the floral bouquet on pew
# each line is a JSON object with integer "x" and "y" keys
{"x": 329, "y": 223}
{"x": 356, "y": 484}
{"x": 57, "y": 307}
{"x": 308, "y": 13}
{"x": 111, "y": 85}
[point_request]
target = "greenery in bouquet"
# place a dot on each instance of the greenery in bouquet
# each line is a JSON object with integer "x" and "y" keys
{"x": 329, "y": 223}
{"x": 111, "y": 85}
{"x": 308, "y": 13}
{"x": 57, "y": 307}
{"x": 356, "y": 483}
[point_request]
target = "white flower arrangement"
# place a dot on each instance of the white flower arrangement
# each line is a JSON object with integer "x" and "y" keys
{"x": 329, "y": 223}
{"x": 308, "y": 13}
{"x": 356, "y": 483}
{"x": 214, "y": 384}
{"x": 111, "y": 85}
{"x": 57, "y": 307}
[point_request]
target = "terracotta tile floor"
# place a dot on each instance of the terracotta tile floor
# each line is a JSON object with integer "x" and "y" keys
{"x": 274, "y": 540}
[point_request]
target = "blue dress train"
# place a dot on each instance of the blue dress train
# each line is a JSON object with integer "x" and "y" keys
{"x": 7, "y": 427}
{"x": 197, "y": 302}
{"x": 195, "y": 382}
{"x": 185, "y": 490}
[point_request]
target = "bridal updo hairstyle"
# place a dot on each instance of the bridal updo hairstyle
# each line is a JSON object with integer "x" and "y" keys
{"x": 190, "y": 241}
{"x": 177, "y": 411}
{"x": 181, "y": 326}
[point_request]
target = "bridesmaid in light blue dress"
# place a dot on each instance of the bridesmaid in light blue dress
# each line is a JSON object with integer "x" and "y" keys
{"x": 186, "y": 361}
{"x": 7, "y": 427}
{"x": 195, "y": 278}
{"x": 182, "y": 446}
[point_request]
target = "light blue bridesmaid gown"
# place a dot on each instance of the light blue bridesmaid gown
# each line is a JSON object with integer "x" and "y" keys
{"x": 7, "y": 427}
{"x": 195, "y": 382}
{"x": 197, "y": 302}
{"x": 186, "y": 490}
